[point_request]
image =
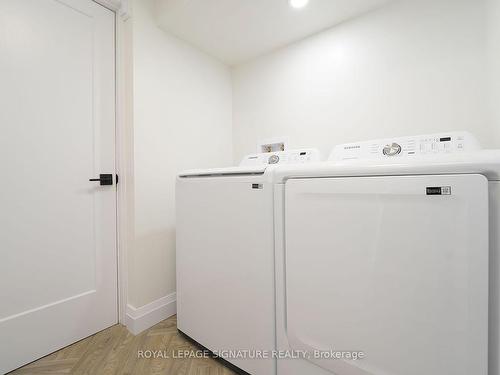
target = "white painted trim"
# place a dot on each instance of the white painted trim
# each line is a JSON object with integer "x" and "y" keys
{"x": 113, "y": 5}
{"x": 123, "y": 145}
{"x": 124, "y": 158}
{"x": 142, "y": 318}
{"x": 125, "y": 10}
{"x": 120, "y": 7}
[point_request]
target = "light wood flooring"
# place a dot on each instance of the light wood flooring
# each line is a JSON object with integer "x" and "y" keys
{"x": 115, "y": 351}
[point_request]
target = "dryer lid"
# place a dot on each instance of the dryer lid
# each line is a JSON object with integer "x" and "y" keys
{"x": 485, "y": 162}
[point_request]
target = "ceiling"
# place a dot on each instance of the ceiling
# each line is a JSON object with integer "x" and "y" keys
{"x": 235, "y": 31}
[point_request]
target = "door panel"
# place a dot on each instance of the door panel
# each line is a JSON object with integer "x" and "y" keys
{"x": 58, "y": 230}
{"x": 374, "y": 264}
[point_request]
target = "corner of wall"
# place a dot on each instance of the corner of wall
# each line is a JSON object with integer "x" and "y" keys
{"x": 139, "y": 319}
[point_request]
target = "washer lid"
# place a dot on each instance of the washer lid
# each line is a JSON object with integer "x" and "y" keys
{"x": 256, "y": 164}
{"x": 225, "y": 172}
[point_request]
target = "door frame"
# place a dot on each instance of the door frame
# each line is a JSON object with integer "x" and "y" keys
{"x": 124, "y": 144}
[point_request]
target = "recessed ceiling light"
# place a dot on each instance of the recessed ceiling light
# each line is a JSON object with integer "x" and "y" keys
{"x": 297, "y": 4}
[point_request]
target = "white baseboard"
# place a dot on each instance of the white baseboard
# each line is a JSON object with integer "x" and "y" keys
{"x": 142, "y": 318}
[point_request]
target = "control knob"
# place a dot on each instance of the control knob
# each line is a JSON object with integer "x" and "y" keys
{"x": 273, "y": 159}
{"x": 392, "y": 149}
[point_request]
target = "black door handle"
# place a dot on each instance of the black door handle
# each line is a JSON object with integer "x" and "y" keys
{"x": 104, "y": 179}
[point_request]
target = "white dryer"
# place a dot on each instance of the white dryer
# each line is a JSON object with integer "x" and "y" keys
{"x": 387, "y": 260}
{"x": 225, "y": 258}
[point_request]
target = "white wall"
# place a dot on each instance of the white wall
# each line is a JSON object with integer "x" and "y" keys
{"x": 411, "y": 67}
{"x": 182, "y": 119}
{"x": 493, "y": 37}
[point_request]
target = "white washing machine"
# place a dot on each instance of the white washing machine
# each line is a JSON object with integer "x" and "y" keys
{"x": 387, "y": 260}
{"x": 225, "y": 258}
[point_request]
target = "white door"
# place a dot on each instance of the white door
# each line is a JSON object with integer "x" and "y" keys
{"x": 390, "y": 267}
{"x": 57, "y": 229}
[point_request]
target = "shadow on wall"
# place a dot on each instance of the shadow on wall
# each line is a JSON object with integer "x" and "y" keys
{"x": 152, "y": 267}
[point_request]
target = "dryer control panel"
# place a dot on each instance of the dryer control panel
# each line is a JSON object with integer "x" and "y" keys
{"x": 441, "y": 143}
{"x": 306, "y": 155}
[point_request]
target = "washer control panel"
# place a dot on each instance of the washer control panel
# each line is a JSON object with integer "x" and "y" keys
{"x": 442, "y": 143}
{"x": 392, "y": 149}
{"x": 282, "y": 157}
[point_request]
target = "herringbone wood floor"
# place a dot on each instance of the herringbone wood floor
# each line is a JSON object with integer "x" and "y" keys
{"x": 115, "y": 351}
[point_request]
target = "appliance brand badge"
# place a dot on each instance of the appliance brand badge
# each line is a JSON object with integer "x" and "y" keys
{"x": 438, "y": 190}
